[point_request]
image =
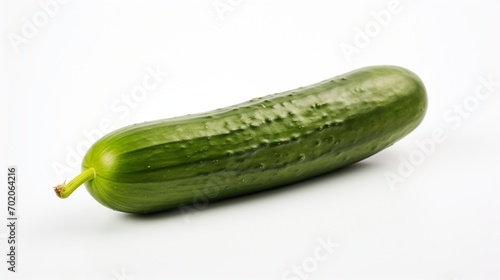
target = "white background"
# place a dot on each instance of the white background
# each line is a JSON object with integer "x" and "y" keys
{"x": 67, "y": 68}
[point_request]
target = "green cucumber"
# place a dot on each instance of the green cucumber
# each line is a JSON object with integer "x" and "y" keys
{"x": 253, "y": 146}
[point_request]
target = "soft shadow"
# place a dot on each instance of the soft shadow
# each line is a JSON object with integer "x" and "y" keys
{"x": 232, "y": 202}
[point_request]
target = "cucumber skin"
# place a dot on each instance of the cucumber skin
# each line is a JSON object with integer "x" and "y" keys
{"x": 257, "y": 145}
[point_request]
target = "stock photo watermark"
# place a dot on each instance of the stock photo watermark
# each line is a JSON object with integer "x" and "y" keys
{"x": 324, "y": 249}
{"x": 202, "y": 198}
{"x": 121, "y": 108}
{"x": 121, "y": 275}
{"x": 12, "y": 222}
{"x": 363, "y": 36}
{"x": 454, "y": 117}
{"x": 224, "y": 7}
{"x": 48, "y": 9}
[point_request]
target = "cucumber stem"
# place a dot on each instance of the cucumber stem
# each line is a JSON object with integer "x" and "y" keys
{"x": 64, "y": 190}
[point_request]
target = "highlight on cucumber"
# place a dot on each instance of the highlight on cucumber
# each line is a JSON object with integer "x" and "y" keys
{"x": 271, "y": 141}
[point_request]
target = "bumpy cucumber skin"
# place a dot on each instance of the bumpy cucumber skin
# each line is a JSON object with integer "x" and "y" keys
{"x": 257, "y": 145}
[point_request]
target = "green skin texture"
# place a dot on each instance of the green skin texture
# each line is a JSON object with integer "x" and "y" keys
{"x": 257, "y": 145}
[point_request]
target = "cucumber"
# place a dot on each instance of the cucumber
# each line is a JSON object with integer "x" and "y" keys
{"x": 253, "y": 146}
